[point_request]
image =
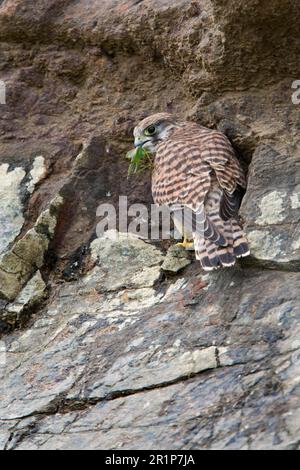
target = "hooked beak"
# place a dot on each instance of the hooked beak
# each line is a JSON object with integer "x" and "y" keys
{"x": 138, "y": 143}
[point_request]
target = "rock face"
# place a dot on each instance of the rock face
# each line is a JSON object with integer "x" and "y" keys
{"x": 18, "y": 264}
{"x": 123, "y": 342}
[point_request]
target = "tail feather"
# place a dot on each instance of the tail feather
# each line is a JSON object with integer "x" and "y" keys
{"x": 212, "y": 256}
{"x": 240, "y": 242}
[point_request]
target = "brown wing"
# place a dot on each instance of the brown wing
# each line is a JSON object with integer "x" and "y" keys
{"x": 219, "y": 154}
{"x": 180, "y": 174}
{"x": 183, "y": 169}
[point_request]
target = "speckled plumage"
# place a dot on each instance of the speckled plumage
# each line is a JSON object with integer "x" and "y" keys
{"x": 196, "y": 168}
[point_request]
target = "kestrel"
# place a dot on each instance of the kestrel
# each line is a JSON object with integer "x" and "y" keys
{"x": 196, "y": 172}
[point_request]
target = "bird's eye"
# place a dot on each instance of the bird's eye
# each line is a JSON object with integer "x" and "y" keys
{"x": 150, "y": 130}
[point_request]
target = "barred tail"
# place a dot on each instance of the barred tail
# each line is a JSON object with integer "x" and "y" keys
{"x": 240, "y": 242}
{"x": 213, "y": 256}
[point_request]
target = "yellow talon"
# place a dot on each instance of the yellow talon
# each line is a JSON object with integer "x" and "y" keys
{"x": 185, "y": 243}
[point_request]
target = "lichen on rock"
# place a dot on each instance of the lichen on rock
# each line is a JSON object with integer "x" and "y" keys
{"x": 27, "y": 254}
{"x": 104, "y": 337}
{"x": 176, "y": 259}
{"x": 11, "y": 211}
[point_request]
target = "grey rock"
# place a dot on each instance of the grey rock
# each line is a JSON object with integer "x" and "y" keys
{"x": 175, "y": 260}
{"x": 11, "y": 208}
{"x": 132, "y": 373}
{"x": 23, "y": 259}
{"x": 94, "y": 351}
{"x": 31, "y": 295}
{"x": 271, "y": 207}
{"x": 12, "y": 183}
{"x": 125, "y": 353}
{"x": 125, "y": 262}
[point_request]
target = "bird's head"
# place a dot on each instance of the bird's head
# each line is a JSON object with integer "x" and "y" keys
{"x": 151, "y": 131}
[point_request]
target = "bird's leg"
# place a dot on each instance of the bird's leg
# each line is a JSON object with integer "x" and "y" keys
{"x": 186, "y": 243}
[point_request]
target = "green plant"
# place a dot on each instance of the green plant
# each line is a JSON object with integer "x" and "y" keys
{"x": 140, "y": 160}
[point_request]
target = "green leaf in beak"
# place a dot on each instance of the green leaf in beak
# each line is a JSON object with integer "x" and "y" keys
{"x": 139, "y": 160}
